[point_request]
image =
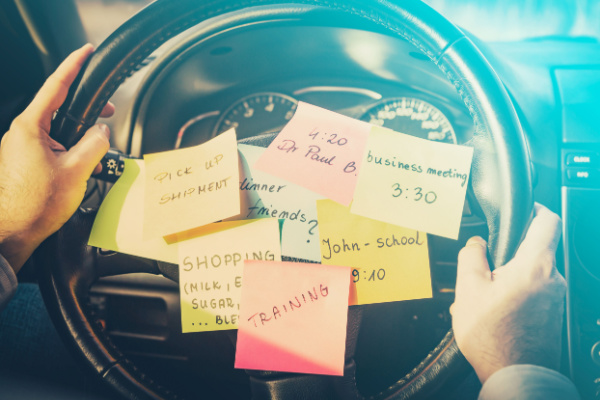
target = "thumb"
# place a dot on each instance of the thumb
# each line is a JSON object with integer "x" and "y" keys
{"x": 473, "y": 270}
{"x": 83, "y": 158}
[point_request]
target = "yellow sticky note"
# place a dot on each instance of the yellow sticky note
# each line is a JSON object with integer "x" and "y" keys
{"x": 211, "y": 270}
{"x": 119, "y": 223}
{"x": 390, "y": 263}
{"x": 413, "y": 182}
{"x": 191, "y": 187}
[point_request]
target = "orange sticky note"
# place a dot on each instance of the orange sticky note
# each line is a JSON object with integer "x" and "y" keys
{"x": 413, "y": 182}
{"x": 390, "y": 263}
{"x": 191, "y": 187}
{"x": 293, "y": 318}
{"x": 319, "y": 150}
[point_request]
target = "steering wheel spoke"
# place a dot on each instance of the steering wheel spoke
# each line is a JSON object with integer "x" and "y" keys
{"x": 110, "y": 263}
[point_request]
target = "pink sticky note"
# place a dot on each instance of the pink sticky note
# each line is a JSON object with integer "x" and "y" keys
{"x": 293, "y": 317}
{"x": 319, "y": 150}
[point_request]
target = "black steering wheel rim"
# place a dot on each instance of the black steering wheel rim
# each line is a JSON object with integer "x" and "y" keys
{"x": 500, "y": 179}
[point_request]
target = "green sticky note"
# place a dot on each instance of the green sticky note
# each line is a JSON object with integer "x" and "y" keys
{"x": 119, "y": 222}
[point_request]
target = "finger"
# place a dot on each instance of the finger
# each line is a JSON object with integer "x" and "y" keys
{"x": 98, "y": 169}
{"x": 83, "y": 158}
{"x": 108, "y": 110}
{"x": 54, "y": 91}
{"x": 542, "y": 236}
{"x": 473, "y": 269}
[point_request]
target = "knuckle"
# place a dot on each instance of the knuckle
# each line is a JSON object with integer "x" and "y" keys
{"x": 463, "y": 253}
{"x": 554, "y": 218}
{"x": 547, "y": 260}
{"x": 58, "y": 80}
{"x": 19, "y": 124}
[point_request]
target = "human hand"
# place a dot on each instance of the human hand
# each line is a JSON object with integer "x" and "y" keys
{"x": 41, "y": 183}
{"x": 512, "y": 315}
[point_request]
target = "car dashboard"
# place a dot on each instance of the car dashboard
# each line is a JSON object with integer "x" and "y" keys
{"x": 250, "y": 70}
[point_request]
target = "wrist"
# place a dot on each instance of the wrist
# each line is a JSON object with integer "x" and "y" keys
{"x": 17, "y": 249}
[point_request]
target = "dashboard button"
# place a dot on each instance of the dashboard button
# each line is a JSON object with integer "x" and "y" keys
{"x": 582, "y": 159}
{"x": 596, "y": 353}
{"x": 582, "y": 176}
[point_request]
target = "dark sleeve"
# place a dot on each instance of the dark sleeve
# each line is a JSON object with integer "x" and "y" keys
{"x": 528, "y": 382}
{"x": 8, "y": 282}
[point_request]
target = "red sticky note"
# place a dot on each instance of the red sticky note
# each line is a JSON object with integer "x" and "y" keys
{"x": 293, "y": 317}
{"x": 319, "y": 150}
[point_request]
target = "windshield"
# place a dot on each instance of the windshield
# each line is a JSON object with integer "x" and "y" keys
{"x": 512, "y": 20}
{"x": 490, "y": 20}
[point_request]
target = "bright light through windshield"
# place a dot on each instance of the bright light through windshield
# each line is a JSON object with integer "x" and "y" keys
{"x": 489, "y": 20}
{"x": 510, "y": 20}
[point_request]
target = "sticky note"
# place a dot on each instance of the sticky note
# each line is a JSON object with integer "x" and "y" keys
{"x": 319, "y": 150}
{"x": 390, "y": 263}
{"x": 119, "y": 223}
{"x": 293, "y": 318}
{"x": 413, "y": 182}
{"x": 263, "y": 195}
{"x": 211, "y": 269}
{"x": 191, "y": 187}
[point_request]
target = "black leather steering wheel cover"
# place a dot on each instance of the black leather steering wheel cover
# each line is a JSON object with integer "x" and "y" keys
{"x": 501, "y": 179}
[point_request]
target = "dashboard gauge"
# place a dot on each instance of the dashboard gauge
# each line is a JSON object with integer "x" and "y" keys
{"x": 412, "y": 116}
{"x": 256, "y": 114}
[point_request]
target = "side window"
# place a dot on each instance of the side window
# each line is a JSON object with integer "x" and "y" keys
{"x": 101, "y": 17}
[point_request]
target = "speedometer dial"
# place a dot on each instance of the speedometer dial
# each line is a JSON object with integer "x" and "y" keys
{"x": 412, "y": 116}
{"x": 256, "y": 114}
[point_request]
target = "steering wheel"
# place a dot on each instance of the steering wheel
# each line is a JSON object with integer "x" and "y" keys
{"x": 500, "y": 181}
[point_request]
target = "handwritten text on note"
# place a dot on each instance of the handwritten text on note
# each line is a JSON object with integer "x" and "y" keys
{"x": 120, "y": 220}
{"x": 413, "y": 182}
{"x": 263, "y": 195}
{"x": 319, "y": 150}
{"x": 211, "y": 269}
{"x": 191, "y": 187}
{"x": 390, "y": 263}
{"x": 293, "y": 318}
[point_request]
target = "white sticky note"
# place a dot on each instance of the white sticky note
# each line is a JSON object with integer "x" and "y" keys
{"x": 413, "y": 182}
